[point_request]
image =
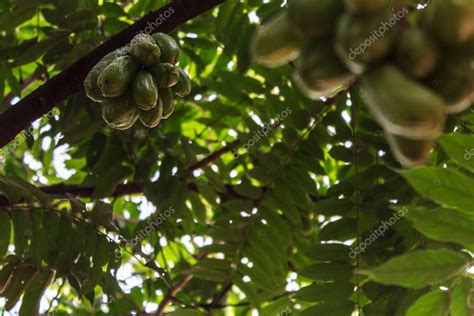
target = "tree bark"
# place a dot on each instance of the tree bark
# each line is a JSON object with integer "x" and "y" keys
{"x": 70, "y": 81}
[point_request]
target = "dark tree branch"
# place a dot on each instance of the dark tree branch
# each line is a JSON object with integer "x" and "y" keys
{"x": 127, "y": 188}
{"x": 175, "y": 289}
{"x": 219, "y": 296}
{"x": 70, "y": 81}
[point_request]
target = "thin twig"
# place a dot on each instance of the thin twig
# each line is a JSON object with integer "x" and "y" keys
{"x": 357, "y": 193}
{"x": 56, "y": 297}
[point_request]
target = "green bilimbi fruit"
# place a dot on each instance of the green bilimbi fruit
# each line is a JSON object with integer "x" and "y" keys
{"x": 152, "y": 117}
{"x": 403, "y": 106}
{"x": 364, "y": 39}
{"x": 90, "y": 83}
{"x": 319, "y": 71}
{"x": 120, "y": 113}
{"x": 144, "y": 48}
{"x": 366, "y": 5}
{"x": 165, "y": 74}
{"x": 314, "y": 19}
{"x": 144, "y": 90}
{"x": 169, "y": 48}
{"x": 116, "y": 77}
{"x": 183, "y": 87}
{"x": 275, "y": 43}
{"x": 410, "y": 152}
{"x": 454, "y": 81}
{"x": 416, "y": 53}
{"x": 166, "y": 97}
{"x": 450, "y": 21}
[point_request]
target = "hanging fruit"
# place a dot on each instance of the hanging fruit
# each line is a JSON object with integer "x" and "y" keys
{"x": 413, "y": 65}
{"x": 134, "y": 82}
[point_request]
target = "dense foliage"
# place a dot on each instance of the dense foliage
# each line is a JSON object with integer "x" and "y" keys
{"x": 251, "y": 197}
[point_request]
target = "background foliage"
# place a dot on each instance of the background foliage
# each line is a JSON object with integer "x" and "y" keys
{"x": 257, "y": 223}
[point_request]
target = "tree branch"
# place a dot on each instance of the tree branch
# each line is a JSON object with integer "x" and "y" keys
{"x": 212, "y": 157}
{"x": 70, "y": 81}
{"x": 175, "y": 289}
{"x": 219, "y": 296}
{"x": 126, "y": 188}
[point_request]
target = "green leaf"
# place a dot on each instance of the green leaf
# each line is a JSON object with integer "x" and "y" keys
{"x": 99, "y": 259}
{"x": 105, "y": 185}
{"x": 278, "y": 307}
{"x": 341, "y": 308}
{"x": 34, "y": 52}
{"x": 443, "y": 224}
{"x": 419, "y": 268}
{"x": 187, "y": 312}
{"x": 16, "y": 188}
{"x": 329, "y": 252}
{"x": 341, "y": 153}
{"x": 210, "y": 275}
{"x": 340, "y": 230}
{"x": 39, "y": 242}
{"x": 211, "y": 263}
{"x": 247, "y": 190}
{"x": 31, "y": 300}
{"x": 460, "y": 148}
{"x": 22, "y": 232}
{"x": 5, "y": 232}
{"x": 51, "y": 224}
{"x": 327, "y": 271}
{"x": 7, "y": 265}
{"x": 459, "y": 298}
{"x": 111, "y": 286}
{"x": 431, "y": 304}
{"x": 102, "y": 214}
{"x": 10, "y": 20}
{"x": 447, "y": 187}
{"x": 223, "y": 234}
{"x": 325, "y": 292}
{"x": 20, "y": 278}
{"x": 198, "y": 208}
{"x": 65, "y": 242}
{"x": 251, "y": 294}
{"x": 77, "y": 206}
{"x": 332, "y": 207}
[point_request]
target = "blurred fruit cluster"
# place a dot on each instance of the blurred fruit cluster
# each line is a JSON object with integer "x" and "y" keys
{"x": 414, "y": 60}
{"x": 137, "y": 81}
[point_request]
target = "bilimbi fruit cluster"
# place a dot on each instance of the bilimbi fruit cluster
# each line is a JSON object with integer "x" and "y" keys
{"x": 414, "y": 60}
{"x": 137, "y": 82}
